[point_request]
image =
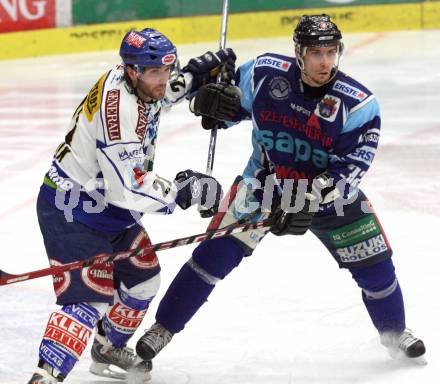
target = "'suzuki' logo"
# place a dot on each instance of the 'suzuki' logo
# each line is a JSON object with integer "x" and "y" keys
{"x": 28, "y": 9}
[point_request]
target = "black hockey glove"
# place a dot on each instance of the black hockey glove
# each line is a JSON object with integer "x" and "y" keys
{"x": 216, "y": 102}
{"x": 198, "y": 188}
{"x": 293, "y": 223}
{"x": 205, "y": 68}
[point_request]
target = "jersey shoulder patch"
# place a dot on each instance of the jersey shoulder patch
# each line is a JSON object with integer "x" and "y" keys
{"x": 273, "y": 61}
{"x": 350, "y": 88}
{"x": 93, "y": 99}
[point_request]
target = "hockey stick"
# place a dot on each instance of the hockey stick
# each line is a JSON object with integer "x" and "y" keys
{"x": 213, "y": 138}
{"x": 240, "y": 226}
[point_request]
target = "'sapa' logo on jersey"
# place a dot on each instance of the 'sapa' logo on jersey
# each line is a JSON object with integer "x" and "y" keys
{"x": 149, "y": 259}
{"x": 363, "y": 250}
{"x": 135, "y": 40}
{"x": 169, "y": 59}
{"x": 279, "y": 88}
{"x": 328, "y": 108}
{"x": 273, "y": 62}
{"x": 99, "y": 277}
{"x": 349, "y": 90}
{"x": 112, "y": 114}
{"x": 61, "y": 281}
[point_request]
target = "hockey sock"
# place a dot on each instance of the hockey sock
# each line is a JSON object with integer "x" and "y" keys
{"x": 212, "y": 260}
{"x": 123, "y": 318}
{"x": 382, "y": 296}
{"x": 66, "y": 336}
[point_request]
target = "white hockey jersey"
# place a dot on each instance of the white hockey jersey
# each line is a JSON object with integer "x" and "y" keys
{"x": 102, "y": 172}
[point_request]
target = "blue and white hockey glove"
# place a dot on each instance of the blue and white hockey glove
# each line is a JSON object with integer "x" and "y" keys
{"x": 198, "y": 188}
{"x": 206, "y": 67}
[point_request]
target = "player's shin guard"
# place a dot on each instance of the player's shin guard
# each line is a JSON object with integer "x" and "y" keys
{"x": 66, "y": 337}
{"x": 123, "y": 318}
{"x": 211, "y": 261}
{"x": 382, "y": 296}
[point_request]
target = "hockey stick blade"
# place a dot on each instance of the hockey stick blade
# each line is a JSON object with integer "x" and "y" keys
{"x": 9, "y": 278}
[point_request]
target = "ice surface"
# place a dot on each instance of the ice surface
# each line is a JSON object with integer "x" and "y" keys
{"x": 288, "y": 314}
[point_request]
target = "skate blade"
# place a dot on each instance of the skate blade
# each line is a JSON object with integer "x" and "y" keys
{"x": 400, "y": 356}
{"x": 137, "y": 377}
{"x": 421, "y": 360}
{"x": 104, "y": 370}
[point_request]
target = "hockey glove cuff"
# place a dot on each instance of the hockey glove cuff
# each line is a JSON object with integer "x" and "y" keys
{"x": 217, "y": 101}
{"x": 200, "y": 189}
{"x": 205, "y": 68}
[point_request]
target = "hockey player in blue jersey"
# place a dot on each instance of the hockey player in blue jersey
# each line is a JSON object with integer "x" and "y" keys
{"x": 96, "y": 190}
{"x": 315, "y": 133}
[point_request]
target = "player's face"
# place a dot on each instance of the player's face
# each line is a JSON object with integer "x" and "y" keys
{"x": 318, "y": 64}
{"x": 152, "y": 83}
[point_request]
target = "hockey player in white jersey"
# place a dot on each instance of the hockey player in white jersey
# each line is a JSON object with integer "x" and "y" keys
{"x": 96, "y": 190}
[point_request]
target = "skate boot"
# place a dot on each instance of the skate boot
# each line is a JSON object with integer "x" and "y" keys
{"x": 45, "y": 374}
{"x": 404, "y": 345}
{"x": 153, "y": 341}
{"x": 129, "y": 366}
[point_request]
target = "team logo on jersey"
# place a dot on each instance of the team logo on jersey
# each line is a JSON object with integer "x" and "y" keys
{"x": 328, "y": 108}
{"x": 99, "y": 277}
{"x": 149, "y": 259}
{"x": 279, "y": 88}
{"x": 169, "y": 59}
{"x": 60, "y": 281}
{"x": 273, "y": 62}
{"x": 349, "y": 90}
{"x": 112, "y": 114}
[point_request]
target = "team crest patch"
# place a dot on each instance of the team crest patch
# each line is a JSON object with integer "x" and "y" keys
{"x": 273, "y": 62}
{"x": 349, "y": 90}
{"x": 279, "y": 88}
{"x": 60, "y": 281}
{"x": 328, "y": 108}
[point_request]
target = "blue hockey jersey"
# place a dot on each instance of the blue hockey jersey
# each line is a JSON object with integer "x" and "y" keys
{"x": 298, "y": 138}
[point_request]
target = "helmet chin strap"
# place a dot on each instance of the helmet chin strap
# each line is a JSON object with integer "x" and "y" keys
{"x": 301, "y": 52}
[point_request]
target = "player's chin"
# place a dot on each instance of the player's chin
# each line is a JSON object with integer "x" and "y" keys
{"x": 322, "y": 78}
{"x": 159, "y": 93}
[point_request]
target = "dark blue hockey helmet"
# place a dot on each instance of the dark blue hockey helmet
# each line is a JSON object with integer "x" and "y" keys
{"x": 147, "y": 48}
{"x": 316, "y": 30}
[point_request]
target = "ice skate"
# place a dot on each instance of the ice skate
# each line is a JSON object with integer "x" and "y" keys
{"x": 118, "y": 363}
{"x": 45, "y": 376}
{"x": 404, "y": 346}
{"x": 153, "y": 341}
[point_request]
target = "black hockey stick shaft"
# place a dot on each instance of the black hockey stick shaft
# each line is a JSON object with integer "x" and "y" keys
{"x": 213, "y": 137}
{"x": 8, "y": 278}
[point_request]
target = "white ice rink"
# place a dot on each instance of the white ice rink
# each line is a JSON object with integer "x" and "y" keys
{"x": 287, "y": 314}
